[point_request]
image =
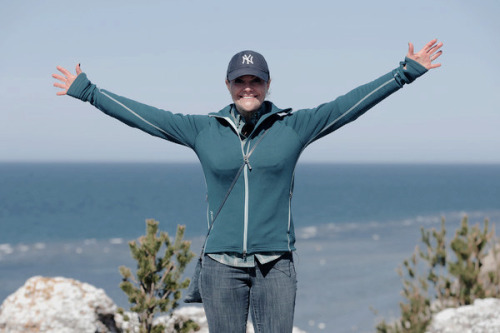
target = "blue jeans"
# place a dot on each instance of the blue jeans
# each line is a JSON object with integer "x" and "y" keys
{"x": 267, "y": 290}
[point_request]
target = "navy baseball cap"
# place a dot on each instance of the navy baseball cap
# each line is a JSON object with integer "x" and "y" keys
{"x": 247, "y": 63}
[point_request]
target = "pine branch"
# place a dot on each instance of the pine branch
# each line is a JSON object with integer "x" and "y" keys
{"x": 157, "y": 279}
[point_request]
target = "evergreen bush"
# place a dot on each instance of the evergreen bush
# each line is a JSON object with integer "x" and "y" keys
{"x": 433, "y": 279}
{"x": 157, "y": 286}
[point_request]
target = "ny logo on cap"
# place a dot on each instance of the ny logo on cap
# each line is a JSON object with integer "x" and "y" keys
{"x": 248, "y": 58}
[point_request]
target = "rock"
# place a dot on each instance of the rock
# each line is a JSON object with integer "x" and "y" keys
{"x": 178, "y": 316}
{"x": 61, "y": 305}
{"x": 194, "y": 313}
{"x": 481, "y": 317}
{"x": 57, "y": 305}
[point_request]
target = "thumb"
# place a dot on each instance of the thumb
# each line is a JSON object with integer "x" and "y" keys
{"x": 410, "y": 49}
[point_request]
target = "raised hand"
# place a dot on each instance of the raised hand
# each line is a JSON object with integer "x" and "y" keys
{"x": 66, "y": 80}
{"x": 427, "y": 54}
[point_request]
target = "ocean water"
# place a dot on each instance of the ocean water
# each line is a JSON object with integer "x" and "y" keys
{"x": 354, "y": 223}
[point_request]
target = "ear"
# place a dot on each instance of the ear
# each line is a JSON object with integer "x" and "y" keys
{"x": 228, "y": 85}
{"x": 268, "y": 83}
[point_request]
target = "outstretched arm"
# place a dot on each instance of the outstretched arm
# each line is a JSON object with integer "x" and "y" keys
{"x": 326, "y": 118}
{"x": 182, "y": 129}
{"x": 66, "y": 80}
{"x": 429, "y": 53}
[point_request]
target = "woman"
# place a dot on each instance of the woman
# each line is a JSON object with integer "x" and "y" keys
{"x": 248, "y": 151}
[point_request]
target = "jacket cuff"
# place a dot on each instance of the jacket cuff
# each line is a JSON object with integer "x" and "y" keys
{"x": 80, "y": 88}
{"x": 412, "y": 71}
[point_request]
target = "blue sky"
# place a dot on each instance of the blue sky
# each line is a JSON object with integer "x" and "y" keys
{"x": 173, "y": 55}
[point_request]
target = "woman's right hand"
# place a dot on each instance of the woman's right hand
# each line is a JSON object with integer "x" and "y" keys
{"x": 67, "y": 79}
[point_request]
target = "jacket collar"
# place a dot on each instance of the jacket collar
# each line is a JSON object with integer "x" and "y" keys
{"x": 226, "y": 112}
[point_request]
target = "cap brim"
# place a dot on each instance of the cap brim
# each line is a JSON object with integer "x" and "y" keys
{"x": 248, "y": 71}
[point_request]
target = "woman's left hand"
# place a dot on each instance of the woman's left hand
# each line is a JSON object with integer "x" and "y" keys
{"x": 430, "y": 52}
{"x": 66, "y": 80}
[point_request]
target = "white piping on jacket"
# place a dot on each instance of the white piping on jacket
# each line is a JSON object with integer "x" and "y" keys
{"x": 245, "y": 219}
{"x": 349, "y": 111}
{"x": 245, "y": 177}
{"x": 324, "y": 129}
{"x": 138, "y": 116}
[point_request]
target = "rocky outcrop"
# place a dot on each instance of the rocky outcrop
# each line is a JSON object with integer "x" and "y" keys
{"x": 61, "y": 305}
{"x": 481, "y": 317}
{"x": 183, "y": 314}
{"x": 57, "y": 305}
{"x": 131, "y": 324}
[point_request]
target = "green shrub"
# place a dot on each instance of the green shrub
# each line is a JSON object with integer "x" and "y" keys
{"x": 433, "y": 279}
{"x": 157, "y": 286}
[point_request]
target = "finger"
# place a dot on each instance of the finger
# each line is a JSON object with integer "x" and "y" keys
{"x": 410, "y": 49}
{"x": 59, "y": 85}
{"x": 430, "y": 44}
{"x": 59, "y": 77}
{"x": 64, "y": 70}
{"x": 78, "y": 70}
{"x": 438, "y": 46}
{"x": 431, "y": 50}
{"x": 436, "y": 55}
{"x": 435, "y": 48}
{"x": 61, "y": 93}
{"x": 435, "y": 65}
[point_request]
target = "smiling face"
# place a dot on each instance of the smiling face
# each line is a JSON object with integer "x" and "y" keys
{"x": 248, "y": 93}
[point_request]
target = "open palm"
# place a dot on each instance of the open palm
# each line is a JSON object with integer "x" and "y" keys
{"x": 429, "y": 53}
{"x": 66, "y": 80}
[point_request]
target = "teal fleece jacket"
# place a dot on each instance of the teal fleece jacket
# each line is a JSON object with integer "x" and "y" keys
{"x": 257, "y": 215}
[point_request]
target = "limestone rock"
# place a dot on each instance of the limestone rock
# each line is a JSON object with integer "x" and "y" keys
{"x": 61, "y": 305}
{"x": 195, "y": 313}
{"x": 57, "y": 305}
{"x": 481, "y": 317}
{"x": 178, "y": 316}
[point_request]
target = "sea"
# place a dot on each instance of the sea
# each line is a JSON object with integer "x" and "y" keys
{"x": 355, "y": 224}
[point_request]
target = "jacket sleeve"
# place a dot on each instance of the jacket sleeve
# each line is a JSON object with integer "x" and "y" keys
{"x": 178, "y": 128}
{"x": 312, "y": 124}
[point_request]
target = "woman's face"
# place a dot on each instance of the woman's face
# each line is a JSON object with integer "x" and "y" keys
{"x": 248, "y": 92}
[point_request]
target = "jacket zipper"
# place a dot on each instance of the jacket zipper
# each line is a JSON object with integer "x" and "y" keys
{"x": 248, "y": 167}
{"x": 245, "y": 177}
{"x": 245, "y": 218}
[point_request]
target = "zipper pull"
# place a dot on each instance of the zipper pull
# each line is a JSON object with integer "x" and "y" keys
{"x": 245, "y": 255}
{"x": 247, "y": 162}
